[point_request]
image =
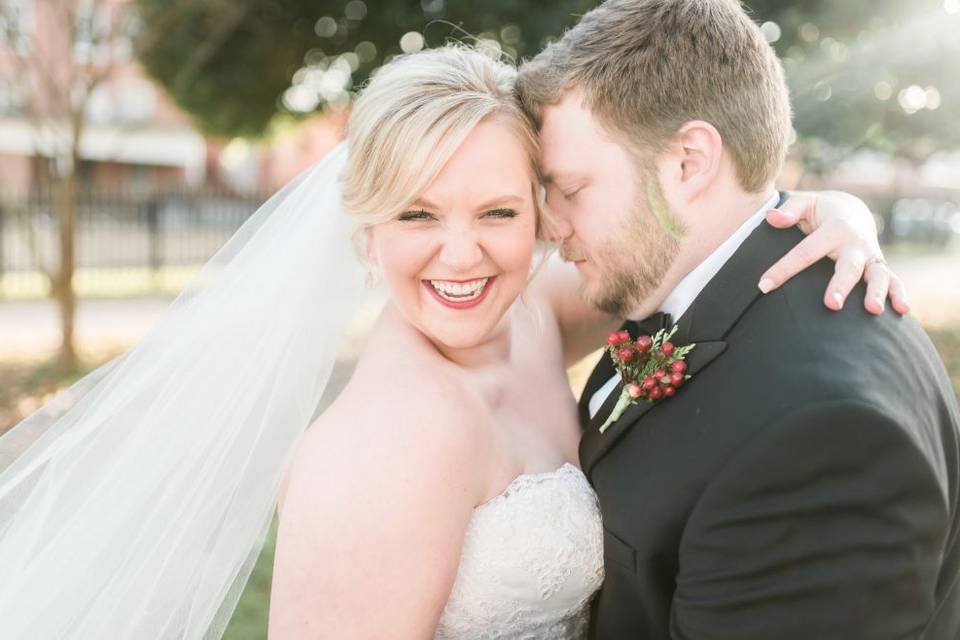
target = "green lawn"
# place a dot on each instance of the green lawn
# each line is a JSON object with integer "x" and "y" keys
{"x": 249, "y": 621}
{"x": 24, "y": 387}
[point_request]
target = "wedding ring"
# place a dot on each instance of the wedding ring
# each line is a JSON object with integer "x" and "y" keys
{"x": 874, "y": 260}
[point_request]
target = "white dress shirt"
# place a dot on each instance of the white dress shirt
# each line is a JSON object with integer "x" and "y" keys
{"x": 687, "y": 290}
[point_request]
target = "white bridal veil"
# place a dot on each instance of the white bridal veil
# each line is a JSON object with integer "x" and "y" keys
{"x": 135, "y": 504}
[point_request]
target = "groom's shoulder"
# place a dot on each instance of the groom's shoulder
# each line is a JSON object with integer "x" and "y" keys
{"x": 810, "y": 354}
{"x": 811, "y": 325}
{"x": 795, "y": 315}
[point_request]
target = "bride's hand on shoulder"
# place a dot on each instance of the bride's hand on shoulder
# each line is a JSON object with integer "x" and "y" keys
{"x": 839, "y": 226}
{"x": 375, "y": 508}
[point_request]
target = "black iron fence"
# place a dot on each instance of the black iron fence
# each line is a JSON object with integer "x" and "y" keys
{"x": 122, "y": 232}
{"x": 117, "y": 231}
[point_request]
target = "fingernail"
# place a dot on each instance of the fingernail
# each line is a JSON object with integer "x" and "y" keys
{"x": 766, "y": 285}
{"x": 880, "y": 303}
{"x": 838, "y": 299}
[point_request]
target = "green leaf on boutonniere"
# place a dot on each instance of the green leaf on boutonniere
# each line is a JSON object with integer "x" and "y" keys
{"x": 623, "y": 402}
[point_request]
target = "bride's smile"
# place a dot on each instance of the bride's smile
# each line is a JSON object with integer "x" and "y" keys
{"x": 461, "y": 294}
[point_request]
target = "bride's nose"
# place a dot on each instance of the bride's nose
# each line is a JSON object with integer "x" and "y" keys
{"x": 461, "y": 251}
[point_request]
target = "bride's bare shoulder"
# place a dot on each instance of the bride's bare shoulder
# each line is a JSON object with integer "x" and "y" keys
{"x": 402, "y": 414}
{"x": 399, "y": 376}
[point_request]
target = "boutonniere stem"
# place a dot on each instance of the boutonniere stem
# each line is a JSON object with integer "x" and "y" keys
{"x": 652, "y": 368}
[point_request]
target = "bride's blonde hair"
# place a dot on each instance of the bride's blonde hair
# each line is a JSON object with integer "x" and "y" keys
{"x": 413, "y": 115}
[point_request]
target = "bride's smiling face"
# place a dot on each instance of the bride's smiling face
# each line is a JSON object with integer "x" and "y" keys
{"x": 457, "y": 258}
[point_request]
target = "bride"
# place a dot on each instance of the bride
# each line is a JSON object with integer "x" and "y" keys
{"x": 439, "y": 496}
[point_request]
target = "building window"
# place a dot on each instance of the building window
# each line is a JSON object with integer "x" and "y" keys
{"x": 92, "y": 33}
{"x": 16, "y": 25}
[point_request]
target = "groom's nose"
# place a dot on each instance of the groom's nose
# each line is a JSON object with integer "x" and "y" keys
{"x": 555, "y": 227}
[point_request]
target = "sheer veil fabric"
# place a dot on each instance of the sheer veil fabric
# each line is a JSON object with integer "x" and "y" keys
{"x": 135, "y": 504}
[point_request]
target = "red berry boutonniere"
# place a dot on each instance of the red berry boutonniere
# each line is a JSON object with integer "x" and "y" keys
{"x": 652, "y": 368}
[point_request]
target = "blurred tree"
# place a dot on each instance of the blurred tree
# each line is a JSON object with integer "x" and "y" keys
{"x": 864, "y": 73}
{"x": 234, "y": 64}
{"x": 868, "y": 74}
{"x": 52, "y": 79}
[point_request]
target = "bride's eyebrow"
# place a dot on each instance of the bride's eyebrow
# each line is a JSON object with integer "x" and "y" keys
{"x": 500, "y": 201}
{"x": 423, "y": 203}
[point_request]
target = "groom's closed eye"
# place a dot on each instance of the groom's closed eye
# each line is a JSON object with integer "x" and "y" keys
{"x": 566, "y": 194}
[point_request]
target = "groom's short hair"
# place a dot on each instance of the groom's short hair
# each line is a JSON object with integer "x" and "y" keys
{"x": 648, "y": 66}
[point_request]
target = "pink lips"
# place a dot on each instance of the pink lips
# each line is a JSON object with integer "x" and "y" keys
{"x": 467, "y": 304}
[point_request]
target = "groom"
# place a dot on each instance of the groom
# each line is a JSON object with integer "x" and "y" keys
{"x": 803, "y": 484}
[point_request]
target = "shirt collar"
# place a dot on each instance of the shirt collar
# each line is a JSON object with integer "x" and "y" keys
{"x": 687, "y": 290}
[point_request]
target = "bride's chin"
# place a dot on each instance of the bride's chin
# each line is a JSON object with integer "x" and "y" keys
{"x": 464, "y": 335}
{"x": 460, "y": 341}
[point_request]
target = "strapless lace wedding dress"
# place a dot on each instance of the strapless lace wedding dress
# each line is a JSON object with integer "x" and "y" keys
{"x": 531, "y": 561}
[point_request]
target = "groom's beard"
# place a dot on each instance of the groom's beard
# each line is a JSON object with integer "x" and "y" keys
{"x": 633, "y": 263}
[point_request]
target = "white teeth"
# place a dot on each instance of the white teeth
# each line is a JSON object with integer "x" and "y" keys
{"x": 459, "y": 292}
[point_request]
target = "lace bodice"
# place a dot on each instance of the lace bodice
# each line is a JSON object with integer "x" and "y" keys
{"x": 531, "y": 560}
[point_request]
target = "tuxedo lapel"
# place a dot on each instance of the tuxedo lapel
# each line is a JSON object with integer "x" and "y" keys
{"x": 603, "y": 371}
{"x": 706, "y": 323}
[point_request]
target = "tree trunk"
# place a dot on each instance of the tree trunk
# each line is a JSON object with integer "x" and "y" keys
{"x": 67, "y": 214}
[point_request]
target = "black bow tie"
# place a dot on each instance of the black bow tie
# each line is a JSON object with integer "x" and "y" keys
{"x": 654, "y": 323}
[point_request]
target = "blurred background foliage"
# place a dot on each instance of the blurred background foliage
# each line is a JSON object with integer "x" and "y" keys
{"x": 864, "y": 74}
{"x": 231, "y": 64}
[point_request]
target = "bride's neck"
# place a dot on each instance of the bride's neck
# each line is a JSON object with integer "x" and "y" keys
{"x": 490, "y": 354}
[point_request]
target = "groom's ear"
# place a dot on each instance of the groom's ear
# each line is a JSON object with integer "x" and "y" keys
{"x": 693, "y": 160}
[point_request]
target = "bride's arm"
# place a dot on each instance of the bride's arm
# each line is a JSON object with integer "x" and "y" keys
{"x": 839, "y": 226}
{"x": 372, "y": 520}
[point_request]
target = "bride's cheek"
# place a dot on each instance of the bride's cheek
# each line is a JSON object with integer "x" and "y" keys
{"x": 407, "y": 253}
{"x": 516, "y": 244}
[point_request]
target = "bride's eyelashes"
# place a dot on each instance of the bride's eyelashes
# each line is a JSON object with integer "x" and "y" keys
{"x": 501, "y": 213}
{"x": 422, "y": 215}
{"x": 415, "y": 216}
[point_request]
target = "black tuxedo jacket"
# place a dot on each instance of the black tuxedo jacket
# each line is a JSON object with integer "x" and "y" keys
{"x": 802, "y": 485}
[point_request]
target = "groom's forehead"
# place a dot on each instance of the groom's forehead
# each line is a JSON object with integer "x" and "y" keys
{"x": 561, "y": 133}
{"x": 570, "y": 140}
{"x": 567, "y": 126}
